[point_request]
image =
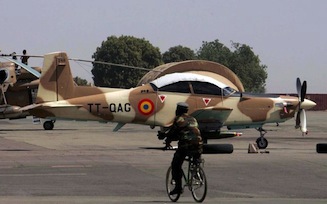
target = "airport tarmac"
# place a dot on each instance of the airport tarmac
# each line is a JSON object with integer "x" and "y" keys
{"x": 85, "y": 162}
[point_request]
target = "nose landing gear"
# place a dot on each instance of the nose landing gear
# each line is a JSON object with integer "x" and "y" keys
{"x": 262, "y": 142}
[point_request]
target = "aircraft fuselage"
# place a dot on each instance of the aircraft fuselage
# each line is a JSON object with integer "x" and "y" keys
{"x": 144, "y": 105}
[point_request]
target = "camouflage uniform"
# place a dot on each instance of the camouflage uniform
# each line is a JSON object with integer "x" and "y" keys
{"x": 185, "y": 130}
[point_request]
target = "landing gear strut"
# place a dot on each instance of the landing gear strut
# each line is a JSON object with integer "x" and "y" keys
{"x": 262, "y": 142}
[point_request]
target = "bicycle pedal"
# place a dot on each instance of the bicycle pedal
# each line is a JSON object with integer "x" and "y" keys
{"x": 175, "y": 191}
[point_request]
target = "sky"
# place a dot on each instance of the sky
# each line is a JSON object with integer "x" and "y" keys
{"x": 289, "y": 36}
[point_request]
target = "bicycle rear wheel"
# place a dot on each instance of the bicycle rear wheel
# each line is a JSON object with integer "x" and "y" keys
{"x": 198, "y": 185}
{"x": 170, "y": 185}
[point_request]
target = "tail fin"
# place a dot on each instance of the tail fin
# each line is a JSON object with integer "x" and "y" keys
{"x": 56, "y": 81}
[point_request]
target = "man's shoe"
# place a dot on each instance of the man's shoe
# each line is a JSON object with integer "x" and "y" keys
{"x": 176, "y": 191}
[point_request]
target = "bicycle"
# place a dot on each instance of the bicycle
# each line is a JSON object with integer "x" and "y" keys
{"x": 195, "y": 180}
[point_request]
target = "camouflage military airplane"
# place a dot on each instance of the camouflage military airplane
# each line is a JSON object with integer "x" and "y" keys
{"x": 18, "y": 84}
{"x": 212, "y": 102}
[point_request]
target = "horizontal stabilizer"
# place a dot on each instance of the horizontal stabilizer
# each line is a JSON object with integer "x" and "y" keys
{"x": 48, "y": 105}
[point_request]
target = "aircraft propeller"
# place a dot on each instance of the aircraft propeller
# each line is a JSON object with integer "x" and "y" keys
{"x": 301, "y": 119}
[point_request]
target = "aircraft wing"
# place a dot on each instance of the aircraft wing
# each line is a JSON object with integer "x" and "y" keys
{"x": 212, "y": 118}
{"x": 24, "y": 66}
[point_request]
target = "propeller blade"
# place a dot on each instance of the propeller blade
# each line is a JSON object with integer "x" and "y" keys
{"x": 298, "y": 120}
{"x": 303, "y": 90}
{"x": 298, "y": 87}
{"x": 303, "y": 122}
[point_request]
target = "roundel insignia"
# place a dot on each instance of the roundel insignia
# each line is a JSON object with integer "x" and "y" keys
{"x": 146, "y": 106}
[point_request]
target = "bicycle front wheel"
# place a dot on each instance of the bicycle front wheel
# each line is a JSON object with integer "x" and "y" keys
{"x": 170, "y": 185}
{"x": 199, "y": 185}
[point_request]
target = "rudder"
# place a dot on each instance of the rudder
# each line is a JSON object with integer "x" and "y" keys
{"x": 56, "y": 81}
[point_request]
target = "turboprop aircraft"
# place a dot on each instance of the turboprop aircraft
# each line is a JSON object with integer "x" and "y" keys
{"x": 214, "y": 103}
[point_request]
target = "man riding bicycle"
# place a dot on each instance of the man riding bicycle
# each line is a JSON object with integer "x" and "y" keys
{"x": 185, "y": 130}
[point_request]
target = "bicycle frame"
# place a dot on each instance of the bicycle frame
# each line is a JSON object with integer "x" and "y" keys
{"x": 190, "y": 169}
{"x": 195, "y": 180}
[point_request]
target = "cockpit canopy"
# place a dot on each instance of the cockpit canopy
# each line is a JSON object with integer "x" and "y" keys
{"x": 191, "y": 83}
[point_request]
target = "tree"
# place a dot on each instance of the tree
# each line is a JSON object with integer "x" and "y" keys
{"x": 124, "y": 50}
{"x": 247, "y": 67}
{"x": 81, "y": 82}
{"x": 242, "y": 61}
{"x": 177, "y": 54}
{"x": 214, "y": 51}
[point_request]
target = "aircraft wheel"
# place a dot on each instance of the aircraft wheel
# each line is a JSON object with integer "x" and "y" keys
{"x": 262, "y": 143}
{"x": 48, "y": 125}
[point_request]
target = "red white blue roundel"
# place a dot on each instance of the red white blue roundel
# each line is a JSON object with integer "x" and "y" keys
{"x": 146, "y": 106}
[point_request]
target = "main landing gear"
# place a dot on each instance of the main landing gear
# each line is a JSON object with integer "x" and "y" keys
{"x": 48, "y": 124}
{"x": 262, "y": 142}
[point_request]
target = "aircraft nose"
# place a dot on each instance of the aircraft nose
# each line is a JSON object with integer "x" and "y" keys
{"x": 307, "y": 104}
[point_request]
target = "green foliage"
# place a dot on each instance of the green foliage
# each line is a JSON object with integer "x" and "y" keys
{"x": 214, "y": 51}
{"x": 81, "y": 82}
{"x": 247, "y": 67}
{"x": 177, "y": 54}
{"x": 125, "y": 50}
{"x": 242, "y": 61}
{"x": 131, "y": 51}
